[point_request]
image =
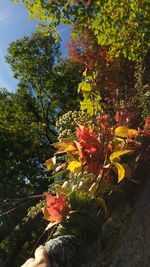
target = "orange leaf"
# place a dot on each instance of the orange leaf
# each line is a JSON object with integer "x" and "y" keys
{"x": 65, "y": 146}
{"x": 50, "y": 163}
{"x": 132, "y": 132}
{"x": 56, "y": 208}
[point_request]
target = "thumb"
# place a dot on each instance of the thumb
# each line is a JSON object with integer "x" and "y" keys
{"x": 41, "y": 256}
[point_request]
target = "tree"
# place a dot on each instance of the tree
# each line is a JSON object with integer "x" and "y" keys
{"x": 27, "y": 129}
{"x": 112, "y": 74}
{"x": 122, "y": 25}
{"x": 84, "y": 48}
{"x": 33, "y": 60}
{"x": 23, "y": 148}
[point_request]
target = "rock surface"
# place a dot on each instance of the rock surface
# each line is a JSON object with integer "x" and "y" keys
{"x": 127, "y": 235}
{"x": 135, "y": 246}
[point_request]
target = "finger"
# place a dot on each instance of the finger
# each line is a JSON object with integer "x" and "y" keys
{"x": 41, "y": 255}
{"x": 31, "y": 260}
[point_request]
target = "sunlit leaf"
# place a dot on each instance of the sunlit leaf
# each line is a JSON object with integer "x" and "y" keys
{"x": 50, "y": 163}
{"x": 88, "y": 106}
{"x": 65, "y": 146}
{"x": 132, "y": 132}
{"x": 116, "y": 155}
{"x": 56, "y": 208}
{"x": 85, "y": 73}
{"x": 121, "y": 131}
{"x": 84, "y": 87}
{"x": 74, "y": 166}
{"x": 120, "y": 170}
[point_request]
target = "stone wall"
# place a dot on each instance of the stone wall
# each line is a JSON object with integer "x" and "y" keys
{"x": 126, "y": 233}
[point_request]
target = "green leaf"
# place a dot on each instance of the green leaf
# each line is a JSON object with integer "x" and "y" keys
{"x": 56, "y": 175}
{"x": 84, "y": 87}
{"x": 87, "y": 105}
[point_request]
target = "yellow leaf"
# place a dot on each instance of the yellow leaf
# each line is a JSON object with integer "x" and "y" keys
{"x": 120, "y": 170}
{"x": 65, "y": 146}
{"x": 70, "y": 148}
{"x": 132, "y": 132}
{"x": 74, "y": 166}
{"x": 50, "y": 163}
{"x": 121, "y": 131}
{"x": 115, "y": 155}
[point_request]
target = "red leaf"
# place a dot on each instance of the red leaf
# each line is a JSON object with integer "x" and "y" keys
{"x": 91, "y": 150}
{"x": 56, "y": 208}
{"x": 117, "y": 117}
{"x": 147, "y": 123}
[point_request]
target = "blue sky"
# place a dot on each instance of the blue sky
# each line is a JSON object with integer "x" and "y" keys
{"x": 14, "y": 24}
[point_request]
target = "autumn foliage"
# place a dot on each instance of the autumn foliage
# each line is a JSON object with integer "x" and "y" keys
{"x": 112, "y": 74}
{"x": 56, "y": 208}
{"x": 84, "y": 49}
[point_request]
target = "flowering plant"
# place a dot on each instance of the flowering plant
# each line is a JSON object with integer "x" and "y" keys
{"x": 100, "y": 155}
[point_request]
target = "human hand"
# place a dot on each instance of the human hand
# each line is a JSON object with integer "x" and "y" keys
{"x": 40, "y": 260}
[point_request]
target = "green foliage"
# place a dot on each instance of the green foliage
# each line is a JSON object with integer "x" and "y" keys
{"x": 55, "y": 12}
{"x": 120, "y": 24}
{"x": 47, "y": 89}
{"x": 124, "y": 27}
{"x": 32, "y": 58}
{"x": 33, "y": 61}
{"x": 81, "y": 219}
{"x": 23, "y": 144}
{"x": 27, "y": 127}
{"x": 91, "y": 97}
{"x": 81, "y": 201}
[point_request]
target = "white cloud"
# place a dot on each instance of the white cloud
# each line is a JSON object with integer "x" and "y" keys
{"x": 6, "y": 15}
